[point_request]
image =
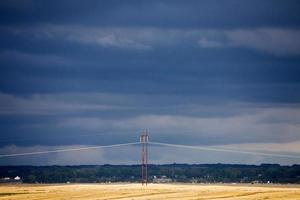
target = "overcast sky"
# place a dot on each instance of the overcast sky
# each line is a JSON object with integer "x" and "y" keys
{"x": 214, "y": 73}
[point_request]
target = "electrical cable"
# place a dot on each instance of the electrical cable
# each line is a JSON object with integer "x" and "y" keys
{"x": 223, "y": 150}
{"x": 67, "y": 150}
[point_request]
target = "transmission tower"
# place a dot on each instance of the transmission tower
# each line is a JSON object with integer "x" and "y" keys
{"x": 144, "y": 144}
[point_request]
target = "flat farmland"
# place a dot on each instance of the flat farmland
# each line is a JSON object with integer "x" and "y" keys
{"x": 152, "y": 191}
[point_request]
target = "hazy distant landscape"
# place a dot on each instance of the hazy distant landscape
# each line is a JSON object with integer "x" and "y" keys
{"x": 209, "y": 173}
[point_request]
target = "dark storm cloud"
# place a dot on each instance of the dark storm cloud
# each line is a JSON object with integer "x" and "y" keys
{"x": 211, "y": 14}
{"x": 196, "y": 72}
{"x": 147, "y": 58}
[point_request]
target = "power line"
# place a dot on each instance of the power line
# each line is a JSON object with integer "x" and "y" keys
{"x": 223, "y": 150}
{"x": 67, "y": 150}
{"x": 153, "y": 143}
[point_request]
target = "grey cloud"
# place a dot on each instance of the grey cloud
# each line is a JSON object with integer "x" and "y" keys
{"x": 238, "y": 128}
{"x": 44, "y": 104}
{"x": 279, "y": 42}
{"x": 132, "y": 104}
{"x": 274, "y": 41}
{"x": 209, "y": 43}
{"x": 74, "y": 114}
{"x": 40, "y": 60}
{"x": 112, "y": 40}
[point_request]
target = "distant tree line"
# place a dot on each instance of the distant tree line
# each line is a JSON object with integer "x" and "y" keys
{"x": 204, "y": 173}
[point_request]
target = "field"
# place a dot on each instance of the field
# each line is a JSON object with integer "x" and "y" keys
{"x": 152, "y": 191}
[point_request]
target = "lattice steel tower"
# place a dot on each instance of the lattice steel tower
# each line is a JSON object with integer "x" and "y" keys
{"x": 144, "y": 144}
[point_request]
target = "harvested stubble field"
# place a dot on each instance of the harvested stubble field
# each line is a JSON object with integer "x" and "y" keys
{"x": 152, "y": 191}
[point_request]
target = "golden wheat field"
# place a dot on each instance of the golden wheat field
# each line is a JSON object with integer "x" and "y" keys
{"x": 152, "y": 191}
